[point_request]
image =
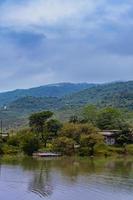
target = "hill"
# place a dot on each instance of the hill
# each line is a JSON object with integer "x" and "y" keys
{"x": 118, "y": 95}
{"x": 29, "y": 104}
{"x": 51, "y": 90}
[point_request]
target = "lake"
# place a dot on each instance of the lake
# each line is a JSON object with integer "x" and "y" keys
{"x": 66, "y": 179}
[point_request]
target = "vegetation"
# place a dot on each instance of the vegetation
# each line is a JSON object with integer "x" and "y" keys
{"x": 65, "y": 100}
{"x": 81, "y": 135}
{"x": 52, "y": 90}
{"x": 30, "y": 144}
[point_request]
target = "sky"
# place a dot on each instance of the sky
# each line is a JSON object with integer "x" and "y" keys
{"x": 50, "y": 41}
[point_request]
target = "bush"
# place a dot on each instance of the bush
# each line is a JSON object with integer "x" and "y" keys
{"x": 64, "y": 145}
{"x": 49, "y": 148}
{"x": 89, "y": 142}
{"x": 8, "y": 149}
{"x": 129, "y": 149}
{"x": 101, "y": 149}
{"x": 14, "y": 141}
{"x": 74, "y": 131}
{"x": 30, "y": 144}
{"x": 83, "y": 151}
{"x": 116, "y": 150}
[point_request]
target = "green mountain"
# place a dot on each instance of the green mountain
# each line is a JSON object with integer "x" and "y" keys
{"x": 119, "y": 94}
{"x": 51, "y": 90}
{"x": 30, "y": 104}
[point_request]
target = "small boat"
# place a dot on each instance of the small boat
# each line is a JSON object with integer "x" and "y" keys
{"x": 43, "y": 154}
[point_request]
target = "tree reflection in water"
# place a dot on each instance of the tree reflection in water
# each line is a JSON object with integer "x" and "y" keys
{"x": 41, "y": 182}
{"x": 48, "y": 177}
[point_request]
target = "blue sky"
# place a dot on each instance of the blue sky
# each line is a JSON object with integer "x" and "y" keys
{"x": 48, "y": 41}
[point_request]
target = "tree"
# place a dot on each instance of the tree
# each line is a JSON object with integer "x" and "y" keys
{"x": 74, "y": 119}
{"x": 71, "y": 130}
{"x": 110, "y": 118}
{"x": 75, "y": 131}
{"x": 14, "y": 140}
{"x": 38, "y": 122}
{"x": 64, "y": 145}
{"x": 30, "y": 144}
{"x": 90, "y": 114}
{"x": 53, "y": 127}
{"x": 88, "y": 142}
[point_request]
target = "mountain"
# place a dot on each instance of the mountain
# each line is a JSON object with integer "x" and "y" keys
{"x": 51, "y": 90}
{"x": 119, "y": 94}
{"x": 30, "y": 104}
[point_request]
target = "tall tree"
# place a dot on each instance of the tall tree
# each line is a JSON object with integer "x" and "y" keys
{"x": 90, "y": 114}
{"x": 37, "y": 122}
{"x": 110, "y": 118}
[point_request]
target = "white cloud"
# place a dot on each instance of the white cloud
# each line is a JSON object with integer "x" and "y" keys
{"x": 86, "y": 40}
{"x": 61, "y": 17}
{"x": 48, "y": 12}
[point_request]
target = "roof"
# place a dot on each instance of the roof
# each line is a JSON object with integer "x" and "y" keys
{"x": 109, "y": 132}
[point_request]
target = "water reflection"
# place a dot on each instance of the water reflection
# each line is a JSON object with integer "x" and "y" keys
{"x": 53, "y": 178}
{"x": 41, "y": 183}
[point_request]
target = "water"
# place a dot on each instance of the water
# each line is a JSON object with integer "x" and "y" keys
{"x": 66, "y": 179}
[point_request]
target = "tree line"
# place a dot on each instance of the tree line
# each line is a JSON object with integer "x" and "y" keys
{"x": 80, "y": 135}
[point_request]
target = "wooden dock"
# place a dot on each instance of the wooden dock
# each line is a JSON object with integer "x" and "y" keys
{"x": 44, "y": 154}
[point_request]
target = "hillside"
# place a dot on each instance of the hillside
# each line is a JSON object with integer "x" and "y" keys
{"x": 51, "y": 90}
{"x": 118, "y": 95}
{"x": 28, "y": 104}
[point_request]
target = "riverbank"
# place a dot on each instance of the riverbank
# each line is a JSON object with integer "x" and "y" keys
{"x": 100, "y": 151}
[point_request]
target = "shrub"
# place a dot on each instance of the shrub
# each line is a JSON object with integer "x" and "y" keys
{"x": 30, "y": 144}
{"x": 101, "y": 149}
{"x": 116, "y": 150}
{"x": 8, "y": 149}
{"x": 75, "y": 131}
{"x": 129, "y": 149}
{"x": 1, "y": 145}
{"x": 14, "y": 140}
{"x": 64, "y": 145}
{"x": 89, "y": 142}
{"x": 49, "y": 148}
{"x": 84, "y": 151}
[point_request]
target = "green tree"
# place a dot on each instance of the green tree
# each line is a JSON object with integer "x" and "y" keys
{"x": 64, "y": 145}
{"x": 38, "y": 123}
{"x": 88, "y": 142}
{"x": 75, "y": 131}
{"x": 53, "y": 126}
{"x": 30, "y": 144}
{"x": 90, "y": 113}
{"x": 110, "y": 118}
{"x": 74, "y": 119}
{"x": 14, "y": 140}
{"x": 71, "y": 130}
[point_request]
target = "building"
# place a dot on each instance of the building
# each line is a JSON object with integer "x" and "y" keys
{"x": 110, "y": 136}
{"x": 4, "y": 135}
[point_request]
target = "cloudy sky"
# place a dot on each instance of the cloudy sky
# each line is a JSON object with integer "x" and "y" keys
{"x": 49, "y": 41}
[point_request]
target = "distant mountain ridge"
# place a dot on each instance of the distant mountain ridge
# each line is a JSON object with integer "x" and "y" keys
{"x": 118, "y": 94}
{"x": 51, "y": 90}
